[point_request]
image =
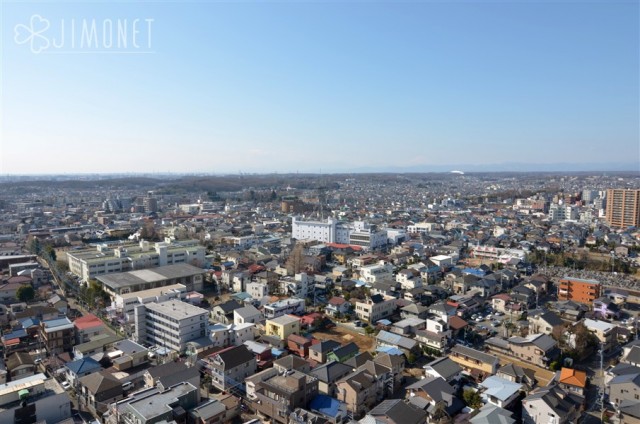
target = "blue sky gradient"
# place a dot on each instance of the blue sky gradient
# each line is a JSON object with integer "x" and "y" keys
{"x": 332, "y": 86}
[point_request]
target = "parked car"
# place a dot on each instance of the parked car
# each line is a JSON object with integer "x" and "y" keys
{"x": 66, "y": 385}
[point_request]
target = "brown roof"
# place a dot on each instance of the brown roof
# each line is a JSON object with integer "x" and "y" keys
{"x": 457, "y": 323}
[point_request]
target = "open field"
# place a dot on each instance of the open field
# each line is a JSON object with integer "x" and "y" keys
{"x": 343, "y": 336}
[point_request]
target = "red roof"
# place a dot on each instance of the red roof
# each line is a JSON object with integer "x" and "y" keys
{"x": 87, "y": 321}
{"x": 337, "y": 301}
{"x": 344, "y": 246}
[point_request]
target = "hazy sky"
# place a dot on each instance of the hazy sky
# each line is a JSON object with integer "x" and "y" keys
{"x": 310, "y": 86}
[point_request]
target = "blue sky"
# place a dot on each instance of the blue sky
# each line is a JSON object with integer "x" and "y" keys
{"x": 321, "y": 86}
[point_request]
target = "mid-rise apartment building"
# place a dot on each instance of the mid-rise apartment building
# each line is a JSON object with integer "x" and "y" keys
{"x": 375, "y": 308}
{"x": 623, "y": 208}
{"x": 579, "y": 290}
{"x": 171, "y": 324}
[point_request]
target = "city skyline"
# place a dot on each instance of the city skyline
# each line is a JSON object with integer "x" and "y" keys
{"x": 321, "y": 87}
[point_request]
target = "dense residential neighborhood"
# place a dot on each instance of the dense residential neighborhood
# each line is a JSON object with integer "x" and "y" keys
{"x": 444, "y": 298}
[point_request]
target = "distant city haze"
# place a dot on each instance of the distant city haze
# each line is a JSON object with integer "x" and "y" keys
{"x": 321, "y": 87}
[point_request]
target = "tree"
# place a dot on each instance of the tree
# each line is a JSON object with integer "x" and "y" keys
{"x": 25, "y": 293}
{"x": 50, "y": 252}
{"x": 369, "y": 330}
{"x": 582, "y": 341}
{"x": 472, "y": 398}
{"x": 439, "y": 415}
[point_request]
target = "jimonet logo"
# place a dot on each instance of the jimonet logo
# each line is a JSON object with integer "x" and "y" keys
{"x": 130, "y": 35}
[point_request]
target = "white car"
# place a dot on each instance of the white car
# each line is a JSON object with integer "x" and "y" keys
{"x": 66, "y": 385}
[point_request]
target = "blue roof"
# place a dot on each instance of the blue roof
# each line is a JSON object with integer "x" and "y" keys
{"x": 390, "y": 350}
{"x": 384, "y": 322}
{"x": 326, "y": 405}
{"x": 83, "y": 366}
{"x": 473, "y": 271}
{"x": 277, "y": 352}
{"x": 18, "y": 334}
{"x": 241, "y": 295}
{"x": 29, "y": 322}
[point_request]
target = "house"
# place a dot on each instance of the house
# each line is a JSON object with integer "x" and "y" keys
{"x": 444, "y": 368}
{"x": 291, "y": 362}
{"x": 491, "y": 414}
{"x": 87, "y": 327}
{"x": 604, "y": 331}
{"x": 550, "y": 404}
{"x": 328, "y": 375}
{"x": 20, "y": 365}
{"x": 572, "y": 380}
{"x": 98, "y": 390}
{"x": 153, "y": 405}
{"x": 319, "y": 351}
{"x": 337, "y": 306}
{"x": 517, "y": 374}
{"x": 432, "y": 392}
{"x": 545, "y": 322}
{"x": 210, "y": 412}
{"x": 169, "y": 374}
{"x": 282, "y": 326}
{"x": 278, "y": 396}
{"x": 408, "y": 326}
{"x": 395, "y": 411}
{"x": 624, "y": 387}
{"x": 604, "y": 308}
{"x": 325, "y": 408}
{"x": 299, "y": 345}
{"x": 499, "y": 391}
{"x": 229, "y": 367}
{"x": 359, "y": 391}
{"x": 58, "y": 335}
{"x": 223, "y": 313}
{"x": 79, "y": 368}
{"x": 432, "y": 341}
{"x": 414, "y": 310}
{"x": 537, "y": 349}
{"x": 473, "y": 362}
{"x": 629, "y": 412}
{"x": 247, "y": 314}
{"x": 406, "y": 345}
{"x": 343, "y": 353}
{"x": 395, "y": 363}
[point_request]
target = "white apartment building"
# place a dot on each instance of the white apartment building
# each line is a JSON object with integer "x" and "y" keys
{"x": 225, "y": 335}
{"x": 377, "y": 272}
{"x": 375, "y": 309}
{"x": 563, "y": 212}
{"x": 124, "y": 304}
{"x": 106, "y": 259}
{"x": 301, "y": 286}
{"x": 422, "y": 227}
{"x": 171, "y": 324}
{"x": 284, "y": 307}
{"x": 258, "y": 291}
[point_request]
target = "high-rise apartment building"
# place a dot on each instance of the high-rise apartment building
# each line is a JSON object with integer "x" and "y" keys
{"x": 623, "y": 207}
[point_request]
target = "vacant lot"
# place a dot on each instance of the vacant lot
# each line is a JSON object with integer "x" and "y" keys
{"x": 344, "y": 336}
